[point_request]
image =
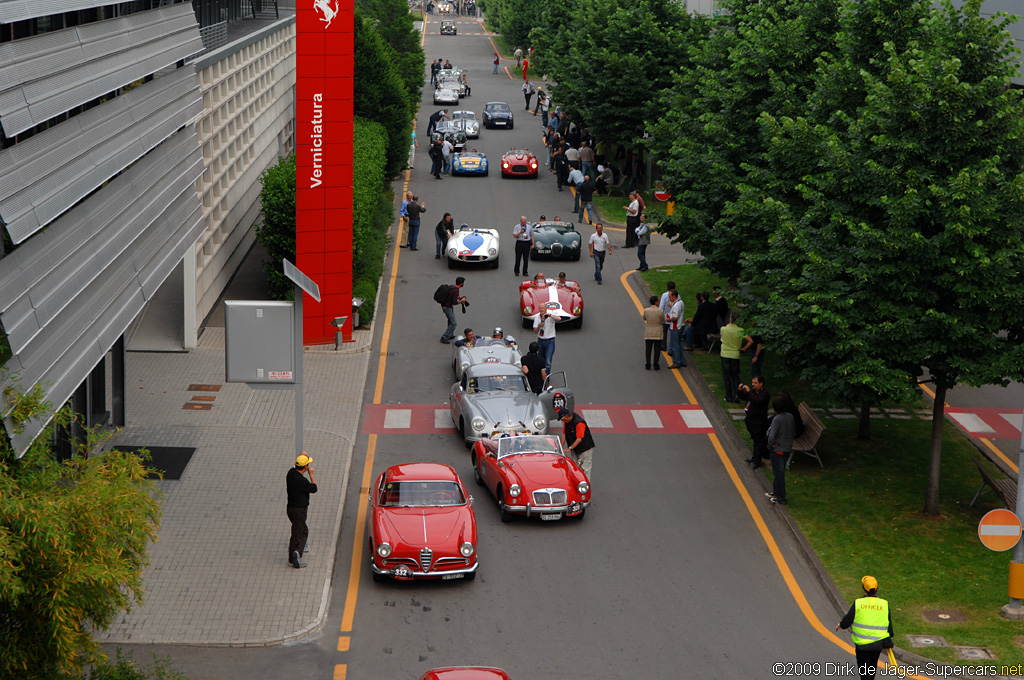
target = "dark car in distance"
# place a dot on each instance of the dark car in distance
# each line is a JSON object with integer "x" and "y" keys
{"x": 498, "y": 114}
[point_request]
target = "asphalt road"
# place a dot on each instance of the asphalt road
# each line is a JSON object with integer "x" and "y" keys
{"x": 680, "y": 568}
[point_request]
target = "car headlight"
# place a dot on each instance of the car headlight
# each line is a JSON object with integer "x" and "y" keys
{"x": 467, "y": 549}
{"x": 514, "y": 491}
{"x": 504, "y": 164}
{"x": 577, "y": 310}
{"x": 575, "y": 243}
{"x": 583, "y": 487}
{"x": 479, "y": 424}
{"x": 527, "y": 309}
{"x": 384, "y": 549}
{"x": 453, "y": 252}
{"x": 540, "y": 422}
{"x": 492, "y": 252}
{"x": 533, "y": 165}
{"x": 464, "y": 366}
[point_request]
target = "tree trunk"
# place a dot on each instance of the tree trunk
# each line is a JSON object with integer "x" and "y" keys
{"x": 931, "y": 501}
{"x": 864, "y": 425}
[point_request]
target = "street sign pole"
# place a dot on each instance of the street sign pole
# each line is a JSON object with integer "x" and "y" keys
{"x": 1014, "y": 611}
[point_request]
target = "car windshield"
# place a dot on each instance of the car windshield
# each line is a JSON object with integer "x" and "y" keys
{"x": 518, "y": 152}
{"x": 512, "y": 382}
{"x": 421, "y": 494}
{"x": 498, "y": 108}
{"x": 464, "y": 115}
{"x": 511, "y": 446}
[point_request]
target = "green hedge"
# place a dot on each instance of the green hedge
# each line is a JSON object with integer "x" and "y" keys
{"x": 373, "y": 212}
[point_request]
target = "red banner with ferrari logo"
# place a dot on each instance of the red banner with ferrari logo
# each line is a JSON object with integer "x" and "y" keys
{"x": 323, "y": 148}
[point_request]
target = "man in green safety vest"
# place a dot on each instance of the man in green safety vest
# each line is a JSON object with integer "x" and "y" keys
{"x": 870, "y": 623}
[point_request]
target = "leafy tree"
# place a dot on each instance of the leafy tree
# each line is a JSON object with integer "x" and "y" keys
{"x": 73, "y": 538}
{"x": 618, "y": 57}
{"x": 900, "y": 215}
{"x": 760, "y": 59}
{"x": 514, "y": 19}
{"x": 373, "y": 212}
{"x": 380, "y": 94}
{"x": 392, "y": 20}
{"x": 277, "y": 231}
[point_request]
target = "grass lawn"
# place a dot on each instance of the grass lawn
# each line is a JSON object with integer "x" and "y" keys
{"x": 862, "y": 511}
{"x": 613, "y": 208}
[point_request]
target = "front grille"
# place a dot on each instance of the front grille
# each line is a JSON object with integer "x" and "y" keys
{"x": 451, "y": 562}
{"x": 426, "y": 559}
{"x": 550, "y": 497}
{"x": 556, "y": 248}
{"x": 473, "y": 258}
{"x": 519, "y": 168}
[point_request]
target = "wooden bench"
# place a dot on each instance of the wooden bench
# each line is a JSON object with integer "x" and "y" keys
{"x": 1006, "y": 489}
{"x": 619, "y": 186}
{"x": 806, "y": 443}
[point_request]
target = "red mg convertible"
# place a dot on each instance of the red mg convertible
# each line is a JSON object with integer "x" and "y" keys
{"x": 422, "y": 524}
{"x": 531, "y": 475}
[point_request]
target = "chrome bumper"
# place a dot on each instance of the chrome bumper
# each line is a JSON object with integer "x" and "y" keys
{"x": 415, "y": 574}
{"x": 570, "y": 510}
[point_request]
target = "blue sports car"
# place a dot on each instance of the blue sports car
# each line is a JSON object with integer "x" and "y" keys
{"x": 469, "y": 163}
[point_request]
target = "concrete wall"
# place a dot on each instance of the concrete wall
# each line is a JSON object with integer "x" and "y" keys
{"x": 247, "y": 124}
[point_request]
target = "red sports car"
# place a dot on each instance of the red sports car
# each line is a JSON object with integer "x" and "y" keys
{"x": 466, "y": 673}
{"x": 558, "y": 297}
{"x": 519, "y": 163}
{"x": 422, "y": 524}
{"x": 531, "y": 475}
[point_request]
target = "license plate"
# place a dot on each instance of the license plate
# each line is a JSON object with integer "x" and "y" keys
{"x": 548, "y": 516}
{"x": 452, "y": 577}
{"x": 499, "y": 122}
{"x": 404, "y": 572}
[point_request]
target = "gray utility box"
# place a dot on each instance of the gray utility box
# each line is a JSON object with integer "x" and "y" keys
{"x": 259, "y": 345}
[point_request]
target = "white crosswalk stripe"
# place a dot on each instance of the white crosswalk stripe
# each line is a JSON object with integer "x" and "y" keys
{"x": 1013, "y": 419}
{"x": 397, "y": 418}
{"x": 971, "y": 422}
{"x": 646, "y": 419}
{"x": 442, "y": 419}
{"x": 596, "y": 417}
{"x": 694, "y": 419}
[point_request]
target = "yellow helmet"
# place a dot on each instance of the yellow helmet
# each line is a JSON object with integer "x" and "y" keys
{"x": 869, "y": 583}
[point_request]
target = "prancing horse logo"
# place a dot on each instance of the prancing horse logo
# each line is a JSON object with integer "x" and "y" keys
{"x": 324, "y": 7}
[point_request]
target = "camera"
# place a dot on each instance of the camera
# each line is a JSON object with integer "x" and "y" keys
{"x": 464, "y": 305}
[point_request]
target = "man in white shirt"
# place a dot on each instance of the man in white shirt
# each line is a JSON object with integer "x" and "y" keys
{"x": 523, "y": 234}
{"x": 632, "y": 219}
{"x": 665, "y": 306}
{"x": 446, "y": 155}
{"x": 544, "y": 327}
{"x": 599, "y": 247}
{"x": 676, "y": 318}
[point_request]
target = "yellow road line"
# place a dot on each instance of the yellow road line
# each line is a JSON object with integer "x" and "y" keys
{"x": 755, "y": 514}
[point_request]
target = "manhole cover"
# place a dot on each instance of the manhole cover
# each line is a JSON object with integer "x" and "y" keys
{"x": 927, "y": 641}
{"x": 943, "y": 615}
{"x": 974, "y": 653}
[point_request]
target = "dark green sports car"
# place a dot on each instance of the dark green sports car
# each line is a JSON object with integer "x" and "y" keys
{"x": 557, "y": 240}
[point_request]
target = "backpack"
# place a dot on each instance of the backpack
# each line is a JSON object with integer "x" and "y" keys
{"x": 442, "y": 294}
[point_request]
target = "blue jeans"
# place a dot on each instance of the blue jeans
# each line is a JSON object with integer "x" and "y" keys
{"x": 588, "y": 169}
{"x": 495, "y": 69}
{"x": 447, "y": 161}
{"x": 544, "y": 118}
{"x": 693, "y": 338}
{"x": 598, "y": 264}
{"x": 414, "y": 233}
{"x": 756, "y": 366}
{"x": 450, "y": 315}
{"x": 675, "y": 347}
{"x": 664, "y": 337}
{"x": 441, "y": 242}
{"x": 547, "y": 350}
{"x": 641, "y": 252}
{"x": 779, "y": 473}
{"x": 588, "y": 207}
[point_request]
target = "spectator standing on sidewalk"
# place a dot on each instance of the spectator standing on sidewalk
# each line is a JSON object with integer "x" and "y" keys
{"x": 675, "y": 315}
{"x": 632, "y": 219}
{"x": 540, "y": 100}
{"x": 446, "y": 155}
{"x": 756, "y": 418}
{"x": 665, "y": 306}
{"x": 599, "y": 247}
{"x": 415, "y": 209}
{"x": 403, "y": 215}
{"x": 654, "y": 319}
{"x": 497, "y": 60}
{"x": 523, "y": 234}
{"x": 643, "y": 239}
{"x": 528, "y": 92}
{"x": 586, "y": 193}
{"x": 587, "y": 160}
{"x": 454, "y": 298}
{"x": 526, "y": 67}
{"x": 754, "y": 343}
{"x": 518, "y": 54}
{"x": 299, "y": 489}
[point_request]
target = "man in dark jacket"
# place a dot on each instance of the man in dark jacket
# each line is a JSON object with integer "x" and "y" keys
{"x": 756, "y": 418}
{"x": 533, "y": 367}
{"x": 704, "y": 321}
{"x": 299, "y": 489}
{"x": 578, "y": 439}
{"x": 780, "y": 444}
{"x": 436, "y": 156}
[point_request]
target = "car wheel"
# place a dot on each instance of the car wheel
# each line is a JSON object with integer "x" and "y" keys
{"x": 476, "y": 472}
{"x": 578, "y": 323}
{"x": 485, "y": 173}
{"x": 471, "y": 576}
{"x": 582, "y": 512}
{"x": 506, "y": 516}
{"x": 527, "y": 323}
{"x": 451, "y": 265}
{"x": 511, "y": 124}
{"x": 576, "y": 257}
{"x": 378, "y": 578}
{"x": 494, "y": 264}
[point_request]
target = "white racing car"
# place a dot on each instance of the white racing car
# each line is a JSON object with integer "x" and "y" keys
{"x": 473, "y": 245}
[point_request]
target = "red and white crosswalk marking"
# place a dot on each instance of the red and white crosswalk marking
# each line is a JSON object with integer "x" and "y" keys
{"x": 989, "y": 423}
{"x": 617, "y": 418}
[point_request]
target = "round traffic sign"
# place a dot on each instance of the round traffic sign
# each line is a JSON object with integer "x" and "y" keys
{"x": 999, "y": 530}
{"x": 661, "y": 193}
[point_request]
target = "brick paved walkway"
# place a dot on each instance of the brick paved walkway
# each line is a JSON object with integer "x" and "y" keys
{"x": 219, "y": 573}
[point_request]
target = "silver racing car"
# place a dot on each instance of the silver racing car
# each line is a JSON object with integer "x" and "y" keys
{"x": 497, "y": 349}
{"x": 494, "y": 399}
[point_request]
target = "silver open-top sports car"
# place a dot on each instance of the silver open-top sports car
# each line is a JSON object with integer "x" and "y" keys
{"x": 492, "y": 399}
{"x": 468, "y": 121}
{"x": 493, "y": 350}
{"x": 446, "y": 93}
{"x": 473, "y": 245}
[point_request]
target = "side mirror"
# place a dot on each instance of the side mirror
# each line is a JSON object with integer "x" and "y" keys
{"x": 469, "y": 501}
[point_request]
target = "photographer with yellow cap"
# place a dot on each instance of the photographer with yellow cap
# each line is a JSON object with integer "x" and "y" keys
{"x": 299, "y": 489}
{"x": 870, "y": 624}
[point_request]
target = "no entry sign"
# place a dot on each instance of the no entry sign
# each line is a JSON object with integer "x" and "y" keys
{"x": 999, "y": 530}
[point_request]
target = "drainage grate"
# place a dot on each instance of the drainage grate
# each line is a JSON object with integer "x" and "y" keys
{"x": 203, "y": 397}
{"x": 943, "y": 615}
{"x": 195, "y": 387}
{"x": 194, "y": 406}
{"x": 927, "y": 641}
{"x": 974, "y": 653}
